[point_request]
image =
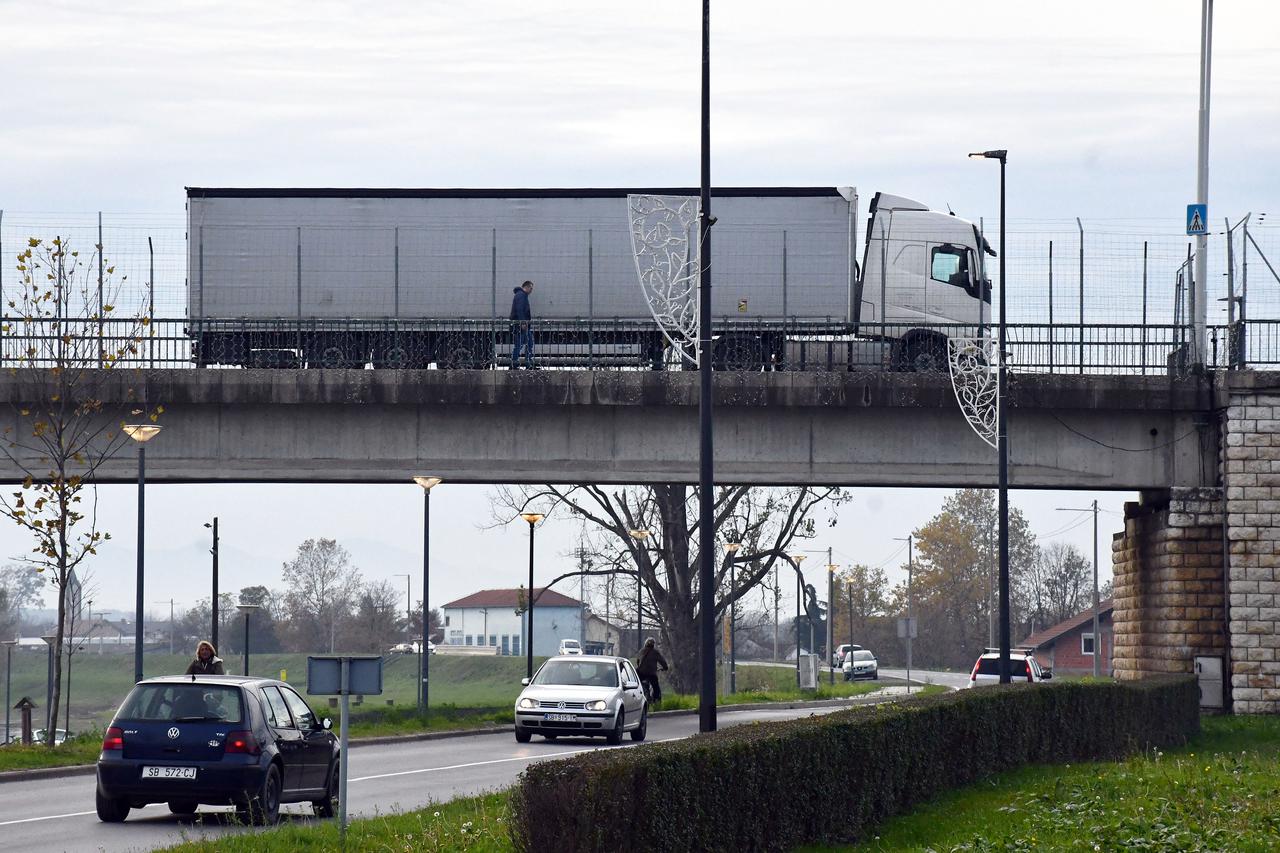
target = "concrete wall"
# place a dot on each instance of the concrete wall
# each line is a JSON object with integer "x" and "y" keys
{"x": 631, "y": 427}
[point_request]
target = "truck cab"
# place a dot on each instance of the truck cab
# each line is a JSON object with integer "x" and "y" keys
{"x": 920, "y": 269}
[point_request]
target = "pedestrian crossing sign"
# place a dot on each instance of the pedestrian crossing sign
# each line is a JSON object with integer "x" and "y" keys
{"x": 1197, "y": 219}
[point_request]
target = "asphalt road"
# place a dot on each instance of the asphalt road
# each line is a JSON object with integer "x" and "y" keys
{"x": 58, "y": 814}
{"x": 954, "y": 680}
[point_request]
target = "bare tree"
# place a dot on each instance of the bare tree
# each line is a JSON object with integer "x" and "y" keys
{"x": 763, "y": 521}
{"x": 1058, "y": 584}
{"x": 321, "y": 588}
{"x": 63, "y": 353}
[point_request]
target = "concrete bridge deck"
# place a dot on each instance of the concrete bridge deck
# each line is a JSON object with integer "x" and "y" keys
{"x": 1110, "y": 432}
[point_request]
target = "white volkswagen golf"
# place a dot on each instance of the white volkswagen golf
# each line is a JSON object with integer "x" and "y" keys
{"x": 582, "y": 695}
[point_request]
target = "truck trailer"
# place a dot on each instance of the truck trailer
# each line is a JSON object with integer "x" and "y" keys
{"x": 416, "y": 278}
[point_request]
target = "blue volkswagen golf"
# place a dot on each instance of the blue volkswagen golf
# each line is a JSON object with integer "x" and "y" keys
{"x": 217, "y": 740}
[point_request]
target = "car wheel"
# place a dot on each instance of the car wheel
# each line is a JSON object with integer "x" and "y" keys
{"x": 638, "y": 733}
{"x": 182, "y": 807}
{"x": 327, "y": 806}
{"x": 264, "y": 809}
{"x": 615, "y": 737}
{"x": 111, "y": 809}
{"x": 522, "y": 735}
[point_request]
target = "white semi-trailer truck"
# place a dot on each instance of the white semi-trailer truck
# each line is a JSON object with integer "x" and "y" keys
{"x": 419, "y": 278}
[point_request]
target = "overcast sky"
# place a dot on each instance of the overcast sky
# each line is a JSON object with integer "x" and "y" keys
{"x": 118, "y": 106}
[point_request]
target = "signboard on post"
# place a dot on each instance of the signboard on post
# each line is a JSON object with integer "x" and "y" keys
{"x": 1197, "y": 219}
{"x": 343, "y": 675}
{"x": 907, "y": 628}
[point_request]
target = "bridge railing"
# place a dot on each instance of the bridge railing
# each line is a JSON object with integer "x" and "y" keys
{"x": 816, "y": 344}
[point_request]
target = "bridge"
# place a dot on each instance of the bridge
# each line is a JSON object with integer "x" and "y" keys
{"x": 772, "y": 428}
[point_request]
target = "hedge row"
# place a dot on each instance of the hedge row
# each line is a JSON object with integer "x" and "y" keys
{"x": 832, "y": 778}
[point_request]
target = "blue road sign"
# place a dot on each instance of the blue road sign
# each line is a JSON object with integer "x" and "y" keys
{"x": 1197, "y": 219}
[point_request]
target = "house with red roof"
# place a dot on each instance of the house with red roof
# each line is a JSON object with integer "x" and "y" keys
{"x": 1068, "y": 647}
{"x": 495, "y": 618}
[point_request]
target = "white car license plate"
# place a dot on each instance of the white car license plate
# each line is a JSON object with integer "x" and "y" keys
{"x": 168, "y": 773}
{"x": 560, "y": 718}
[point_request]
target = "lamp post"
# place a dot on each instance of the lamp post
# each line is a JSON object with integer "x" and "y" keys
{"x": 8, "y": 684}
{"x": 910, "y": 540}
{"x": 706, "y": 479}
{"x": 533, "y": 518}
{"x": 639, "y": 536}
{"x": 49, "y": 722}
{"x": 246, "y": 609}
{"x": 1002, "y": 432}
{"x": 427, "y": 484}
{"x": 796, "y": 560}
{"x": 213, "y": 631}
{"x": 732, "y": 548}
{"x": 831, "y": 618}
{"x": 141, "y": 433}
{"x": 1097, "y": 634}
{"x": 170, "y": 603}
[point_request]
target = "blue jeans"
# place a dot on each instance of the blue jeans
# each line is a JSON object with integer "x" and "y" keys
{"x": 523, "y": 336}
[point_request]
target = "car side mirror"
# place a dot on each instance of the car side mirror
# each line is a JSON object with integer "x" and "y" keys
{"x": 326, "y": 724}
{"x": 524, "y": 682}
{"x": 631, "y": 685}
{"x": 1046, "y": 674}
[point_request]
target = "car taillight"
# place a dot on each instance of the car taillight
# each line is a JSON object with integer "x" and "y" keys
{"x": 243, "y": 742}
{"x": 114, "y": 739}
{"x": 1029, "y": 678}
{"x": 973, "y": 676}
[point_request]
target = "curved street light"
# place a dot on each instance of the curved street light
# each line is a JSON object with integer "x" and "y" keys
{"x": 533, "y": 518}
{"x": 140, "y": 433}
{"x": 427, "y": 484}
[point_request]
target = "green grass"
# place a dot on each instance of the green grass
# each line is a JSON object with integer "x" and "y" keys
{"x": 1220, "y": 792}
{"x": 83, "y": 749}
{"x": 473, "y": 824}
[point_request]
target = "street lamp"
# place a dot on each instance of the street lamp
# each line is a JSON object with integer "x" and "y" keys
{"x": 732, "y": 548}
{"x": 910, "y": 540}
{"x": 213, "y": 633}
{"x": 533, "y": 518}
{"x": 797, "y": 559}
{"x": 8, "y": 683}
{"x": 427, "y": 484}
{"x": 49, "y": 722}
{"x": 639, "y": 536}
{"x": 831, "y": 618}
{"x": 141, "y": 433}
{"x": 1097, "y": 635}
{"x": 1002, "y": 432}
{"x": 246, "y": 609}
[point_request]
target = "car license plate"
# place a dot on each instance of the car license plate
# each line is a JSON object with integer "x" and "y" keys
{"x": 168, "y": 773}
{"x": 560, "y": 718}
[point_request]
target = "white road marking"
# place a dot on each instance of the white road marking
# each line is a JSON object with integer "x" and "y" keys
{"x": 46, "y": 817}
{"x": 491, "y": 761}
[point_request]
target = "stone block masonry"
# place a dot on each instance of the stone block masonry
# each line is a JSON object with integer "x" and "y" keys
{"x": 1168, "y": 585}
{"x": 1251, "y": 472}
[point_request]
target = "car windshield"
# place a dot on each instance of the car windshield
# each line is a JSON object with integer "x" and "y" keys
{"x": 183, "y": 702}
{"x": 863, "y": 656}
{"x": 587, "y": 673}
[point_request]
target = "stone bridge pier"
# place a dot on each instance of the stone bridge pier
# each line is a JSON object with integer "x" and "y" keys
{"x": 1197, "y": 570}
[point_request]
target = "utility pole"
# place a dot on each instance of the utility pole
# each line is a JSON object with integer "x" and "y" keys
{"x": 831, "y": 614}
{"x": 1097, "y": 633}
{"x": 1200, "y": 315}
{"x": 777, "y": 600}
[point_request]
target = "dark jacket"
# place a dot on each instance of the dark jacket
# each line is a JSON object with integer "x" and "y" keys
{"x": 650, "y": 658}
{"x": 520, "y": 306}
{"x": 212, "y": 666}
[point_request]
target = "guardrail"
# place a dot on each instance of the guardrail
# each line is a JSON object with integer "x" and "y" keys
{"x": 740, "y": 345}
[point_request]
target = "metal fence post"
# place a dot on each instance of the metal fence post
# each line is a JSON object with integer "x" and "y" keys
{"x": 101, "y": 301}
{"x": 151, "y": 301}
{"x": 1050, "y": 306}
{"x": 1080, "y": 226}
{"x": 301, "y": 360}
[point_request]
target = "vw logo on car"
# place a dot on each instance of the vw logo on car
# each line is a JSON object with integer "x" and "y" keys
{"x": 173, "y": 733}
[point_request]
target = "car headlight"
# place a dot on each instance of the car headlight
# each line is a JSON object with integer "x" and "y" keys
{"x": 526, "y": 703}
{"x": 598, "y": 705}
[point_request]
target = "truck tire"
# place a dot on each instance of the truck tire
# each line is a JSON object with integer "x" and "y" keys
{"x": 923, "y": 352}
{"x": 739, "y": 353}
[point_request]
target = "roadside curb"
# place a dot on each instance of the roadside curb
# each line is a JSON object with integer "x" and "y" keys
{"x": 866, "y": 699}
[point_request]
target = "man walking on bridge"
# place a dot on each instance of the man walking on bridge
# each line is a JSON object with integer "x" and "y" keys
{"x": 521, "y": 331}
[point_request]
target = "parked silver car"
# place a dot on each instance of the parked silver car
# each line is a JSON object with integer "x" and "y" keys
{"x": 582, "y": 695}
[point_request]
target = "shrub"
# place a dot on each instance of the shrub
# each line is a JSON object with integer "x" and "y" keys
{"x": 773, "y": 786}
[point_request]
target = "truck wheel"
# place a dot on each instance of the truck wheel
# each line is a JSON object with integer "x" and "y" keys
{"x": 738, "y": 352}
{"x": 926, "y": 353}
{"x": 332, "y": 358}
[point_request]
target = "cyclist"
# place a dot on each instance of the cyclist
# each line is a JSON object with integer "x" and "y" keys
{"x": 647, "y": 668}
